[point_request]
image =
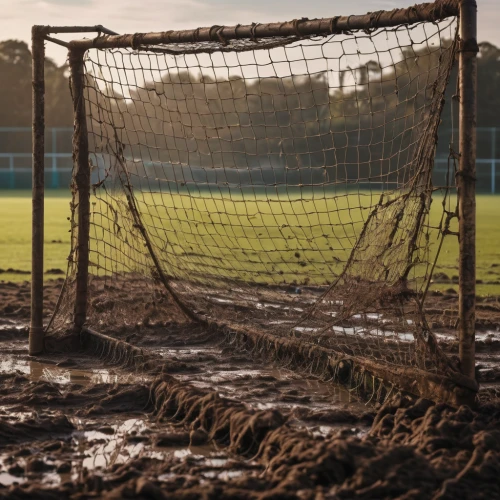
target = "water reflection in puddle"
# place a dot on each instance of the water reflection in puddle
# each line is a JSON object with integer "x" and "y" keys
{"x": 7, "y": 479}
{"x": 111, "y": 445}
{"x": 39, "y": 370}
{"x": 13, "y": 326}
{"x": 101, "y": 449}
{"x": 262, "y": 385}
{"x": 272, "y": 381}
{"x": 224, "y": 475}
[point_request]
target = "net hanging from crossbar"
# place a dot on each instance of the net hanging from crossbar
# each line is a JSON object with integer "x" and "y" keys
{"x": 282, "y": 185}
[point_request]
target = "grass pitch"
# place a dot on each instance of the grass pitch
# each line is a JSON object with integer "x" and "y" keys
{"x": 15, "y": 233}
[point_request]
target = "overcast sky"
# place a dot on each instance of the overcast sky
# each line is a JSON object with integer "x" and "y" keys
{"x": 133, "y": 16}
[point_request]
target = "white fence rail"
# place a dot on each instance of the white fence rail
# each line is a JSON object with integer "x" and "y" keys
{"x": 486, "y": 168}
{"x": 15, "y": 167}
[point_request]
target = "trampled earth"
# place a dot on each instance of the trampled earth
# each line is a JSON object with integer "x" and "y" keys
{"x": 212, "y": 421}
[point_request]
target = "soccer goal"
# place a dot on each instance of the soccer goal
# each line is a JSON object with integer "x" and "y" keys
{"x": 274, "y": 183}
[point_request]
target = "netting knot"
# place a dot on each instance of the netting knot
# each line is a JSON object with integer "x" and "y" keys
{"x": 468, "y": 46}
{"x": 253, "y": 36}
{"x": 411, "y": 10}
{"x": 374, "y": 21}
{"x": 137, "y": 41}
{"x": 213, "y": 32}
{"x": 443, "y": 8}
{"x": 295, "y": 24}
{"x": 333, "y": 25}
{"x": 465, "y": 176}
{"x": 220, "y": 35}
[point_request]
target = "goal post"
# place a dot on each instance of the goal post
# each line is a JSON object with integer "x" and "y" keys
{"x": 275, "y": 180}
{"x": 80, "y": 188}
{"x": 39, "y": 36}
{"x": 36, "y": 334}
{"x": 466, "y": 181}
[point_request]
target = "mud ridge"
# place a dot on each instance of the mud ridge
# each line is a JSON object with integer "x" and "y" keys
{"x": 439, "y": 448}
{"x": 371, "y": 381}
{"x": 414, "y": 450}
{"x": 443, "y": 449}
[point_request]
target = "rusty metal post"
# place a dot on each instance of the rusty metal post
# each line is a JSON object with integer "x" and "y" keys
{"x": 81, "y": 186}
{"x": 466, "y": 183}
{"x": 38, "y": 172}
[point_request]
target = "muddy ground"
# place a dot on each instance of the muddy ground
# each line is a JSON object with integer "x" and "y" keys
{"x": 218, "y": 423}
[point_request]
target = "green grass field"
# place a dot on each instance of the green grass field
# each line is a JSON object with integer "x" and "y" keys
{"x": 259, "y": 227}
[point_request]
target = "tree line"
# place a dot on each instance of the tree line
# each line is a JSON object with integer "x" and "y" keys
{"x": 15, "y": 88}
{"x": 16, "y": 84}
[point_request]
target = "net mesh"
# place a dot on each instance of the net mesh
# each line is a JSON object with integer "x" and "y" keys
{"x": 281, "y": 185}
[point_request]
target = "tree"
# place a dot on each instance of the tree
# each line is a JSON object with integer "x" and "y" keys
{"x": 15, "y": 88}
{"x": 15, "y": 84}
{"x": 488, "y": 76}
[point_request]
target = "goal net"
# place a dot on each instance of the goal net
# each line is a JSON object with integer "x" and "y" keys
{"x": 279, "y": 185}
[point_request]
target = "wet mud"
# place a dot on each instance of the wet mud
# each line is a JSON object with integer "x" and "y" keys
{"x": 215, "y": 422}
{"x": 441, "y": 308}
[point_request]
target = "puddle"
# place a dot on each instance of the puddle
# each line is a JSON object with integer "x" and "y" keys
{"x": 11, "y": 326}
{"x": 305, "y": 329}
{"x": 214, "y": 467}
{"x": 326, "y": 430}
{"x": 333, "y": 302}
{"x": 182, "y": 351}
{"x": 111, "y": 445}
{"x": 266, "y": 387}
{"x": 356, "y": 331}
{"x": 224, "y": 475}
{"x": 268, "y": 305}
{"x": 446, "y": 336}
{"x": 7, "y": 479}
{"x": 99, "y": 449}
{"x": 488, "y": 335}
{"x": 222, "y": 301}
{"x": 263, "y": 385}
{"x": 39, "y": 370}
{"x": 373, "y": 316}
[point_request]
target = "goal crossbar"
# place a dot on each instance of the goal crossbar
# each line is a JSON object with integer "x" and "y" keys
{"x": 429, "y": 12}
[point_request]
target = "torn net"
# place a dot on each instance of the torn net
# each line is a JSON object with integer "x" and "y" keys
{"x": 283, "y": 186}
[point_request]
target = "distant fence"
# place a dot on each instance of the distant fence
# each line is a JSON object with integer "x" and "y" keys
{"x": 487, "y": 161}
{"x": 488, "y": 174}
{"x": 15, "y": 158}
